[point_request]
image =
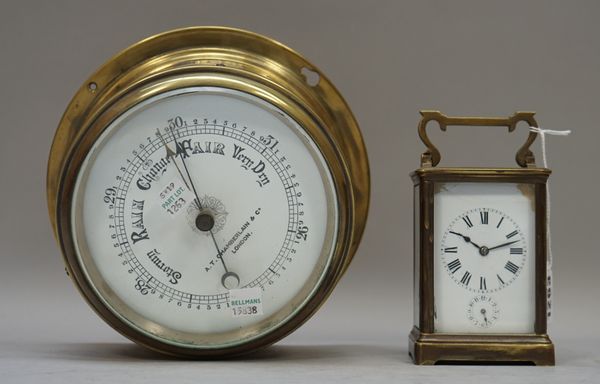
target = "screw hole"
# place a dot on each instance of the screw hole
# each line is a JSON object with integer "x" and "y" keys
{"x": 311, "y": 77}
{"x": 92, "y": 87}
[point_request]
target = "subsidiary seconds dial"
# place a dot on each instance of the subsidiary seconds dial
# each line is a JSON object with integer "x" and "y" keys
{"x": 483, "y": 250}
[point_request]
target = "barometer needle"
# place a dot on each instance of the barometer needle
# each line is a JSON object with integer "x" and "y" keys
{"x": 212, "y": 235}
{"x": 187, "y": 172}
{"x": 172, "y": 154}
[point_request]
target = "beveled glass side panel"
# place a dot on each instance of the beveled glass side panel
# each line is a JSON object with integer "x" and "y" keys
{"x": 416, "y": 254}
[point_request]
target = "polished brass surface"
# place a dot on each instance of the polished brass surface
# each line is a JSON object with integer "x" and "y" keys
{"x": 223, "y": 57}
{"x": 466, "y": 174}
{"x": 431, "y": 348}
{"x": 425, "y": 345}
{"x": 431, "y": 157}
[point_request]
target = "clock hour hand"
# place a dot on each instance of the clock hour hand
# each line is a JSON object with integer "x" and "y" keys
{"x": 503, "y": 245}
{"x": 466, "y": 238}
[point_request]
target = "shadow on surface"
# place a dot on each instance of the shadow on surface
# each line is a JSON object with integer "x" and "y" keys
{"x": 329, "y": 352}
{"x": 128, "y": 352}
{"x": 93, "y": 352}
{"x": 489, "y": 363}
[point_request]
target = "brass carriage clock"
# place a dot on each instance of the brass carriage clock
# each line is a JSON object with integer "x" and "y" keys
{"x": 480, "y": 256}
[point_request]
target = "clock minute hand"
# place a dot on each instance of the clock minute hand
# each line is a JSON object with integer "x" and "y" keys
{"x": 503, "y": 245}
{"x": 465, "y": 238}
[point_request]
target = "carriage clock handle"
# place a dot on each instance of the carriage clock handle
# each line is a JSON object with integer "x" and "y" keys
{"x": 431, "y": 157}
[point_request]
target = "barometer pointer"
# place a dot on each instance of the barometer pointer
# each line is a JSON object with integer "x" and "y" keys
{"x": 204, "y": 221}
{"x": 172, "y": 154}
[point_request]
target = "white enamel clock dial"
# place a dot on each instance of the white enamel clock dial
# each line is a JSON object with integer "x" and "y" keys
{"x": 484, "y": 258}
{"x": 483, "y": 255}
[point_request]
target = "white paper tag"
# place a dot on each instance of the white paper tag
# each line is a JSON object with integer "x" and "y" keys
{"x": 175, "y": 197}
{"x": 543, "y": 133}
{"x": 549, "y": 294}
{"x": 246, "y": 302}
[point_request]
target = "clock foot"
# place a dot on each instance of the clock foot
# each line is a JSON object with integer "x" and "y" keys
{"x": 431, "y": 348}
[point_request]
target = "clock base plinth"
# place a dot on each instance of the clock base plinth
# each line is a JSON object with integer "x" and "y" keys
{"x": 432, "y": 348}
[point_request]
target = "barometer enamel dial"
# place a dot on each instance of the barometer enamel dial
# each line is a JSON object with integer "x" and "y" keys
{"x": 208, "y": 187}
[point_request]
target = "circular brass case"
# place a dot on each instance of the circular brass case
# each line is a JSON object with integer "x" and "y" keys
{"x": 229, "y": 58}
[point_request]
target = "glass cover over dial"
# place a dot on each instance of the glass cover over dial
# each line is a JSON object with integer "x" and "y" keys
{"x": 483, "y": 256}
{"x": 484, "y": 244}
{"x": 196, "y": 194}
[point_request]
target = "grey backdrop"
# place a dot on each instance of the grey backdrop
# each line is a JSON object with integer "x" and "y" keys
{"x": 389, "y": 59}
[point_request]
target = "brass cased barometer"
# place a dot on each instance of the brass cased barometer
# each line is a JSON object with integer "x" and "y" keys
{"x": 208, "y": 187}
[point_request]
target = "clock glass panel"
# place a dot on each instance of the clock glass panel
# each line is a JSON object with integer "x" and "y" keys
{"x": 484, "y": 258}
{"x": 141, "y": 202}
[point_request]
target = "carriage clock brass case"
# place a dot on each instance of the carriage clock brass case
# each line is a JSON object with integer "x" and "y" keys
{"x": 428, "y": 347}
{"x": 223, "y": 57}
